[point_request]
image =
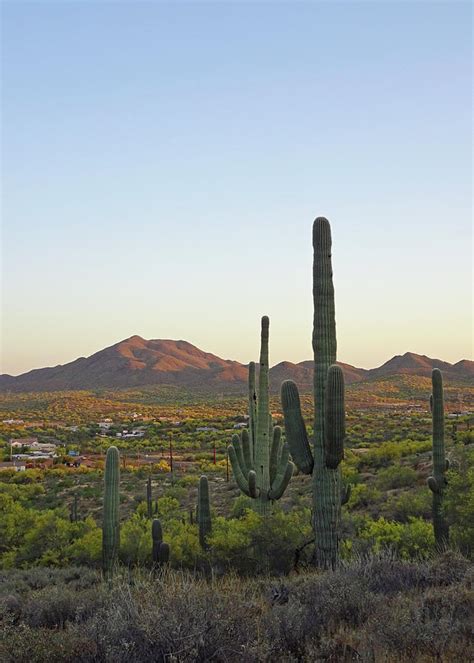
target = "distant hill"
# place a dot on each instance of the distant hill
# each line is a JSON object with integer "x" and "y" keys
{"x": 139, "y": 362}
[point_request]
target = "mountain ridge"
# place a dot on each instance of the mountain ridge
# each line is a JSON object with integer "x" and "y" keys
{"x": 136, "y": 361}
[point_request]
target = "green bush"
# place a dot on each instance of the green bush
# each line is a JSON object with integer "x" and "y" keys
{"x": 411, "y": 503}
{"x": 458, "y": 503}
{"x": 396, "y": 476}
{"x": 363, "y": 495}
{"x": 414, "y": 539}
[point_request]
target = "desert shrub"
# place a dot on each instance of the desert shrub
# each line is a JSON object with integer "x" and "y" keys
{"x": 176, "y": 617}
{"x": 53, "y": 607}
{"x": 86, "y": 548}
{"x": 18, "y": 581}
{"x": 414, "y": 539}
{"x": 386, "y": 453}
{"x": 317, "y": 607}
{"x": 135, "y": 540}
{"x": 372, "y": 608}
{"x": 412, "y": 503}
{"x": 251, "y": 544}
{"x": 184, "y": 544}
{"x": 396, "y": 476}
{"x": 448, "y": 568}
{"x": 240, "y": 505}
{"x": 176, "y": 492}
{"x": 27, "y": 644}
{"x": 436, "y": 624}
{"x": 459, "y": 500}
{"x": 386, "y": 573}
{"x": 168, "y": 507}
{"x": 363, "y": 495}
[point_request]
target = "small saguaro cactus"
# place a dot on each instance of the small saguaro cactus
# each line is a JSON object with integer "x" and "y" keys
{"x": 160, "y": 549}
{"x": 73, "y": 517}
{"x": 111, "y": 522}
{"x": 329, "y": 417}
{"x": 149, "y": 499}
{"x": 437, "y": 482}
{"x": 259, "y": 458}
{"x": 203, "y": 512}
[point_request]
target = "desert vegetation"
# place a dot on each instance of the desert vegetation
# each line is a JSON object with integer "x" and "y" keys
{"x": 332, "y": 527}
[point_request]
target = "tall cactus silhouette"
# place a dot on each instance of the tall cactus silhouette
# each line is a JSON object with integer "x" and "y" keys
{"x": 73, "y": 517}
{"x": 259, "y": 458}
{"x": 329, "y": 418}
{"x": 437, "y": 482}
{"x": 160, "y": 549}
{"x": 149, "y": 498}
{"x": 111, "y": 522}
{"x": 204, "y": 512}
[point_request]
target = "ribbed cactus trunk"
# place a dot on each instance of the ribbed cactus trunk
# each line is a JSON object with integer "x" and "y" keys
{"x": 262, "y": 449}
{"x": 204, "y": 512}
{"x": 111, "y": 521}
{"x": 329, "y": 411}
{"x": 326, "y": 481}
{"x": 149, "y": 498}
{"x": 252, "y": 411}
{"x": 437, "y": 482}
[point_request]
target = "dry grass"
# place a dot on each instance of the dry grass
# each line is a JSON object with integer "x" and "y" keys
{"x": 373, "y": 609}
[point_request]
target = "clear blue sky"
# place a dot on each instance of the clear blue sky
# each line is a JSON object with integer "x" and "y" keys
{"x": 163, "y": 163}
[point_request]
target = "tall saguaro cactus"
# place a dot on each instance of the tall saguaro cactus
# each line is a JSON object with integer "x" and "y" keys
{"x": 437, "y": 482}
{"x": 259, "y": 459}
{"x": 111, "y": 522}
{"x": 329, "y": 417}
{"x": 204, "y": 512}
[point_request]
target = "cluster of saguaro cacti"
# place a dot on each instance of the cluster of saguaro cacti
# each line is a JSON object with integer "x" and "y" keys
{"x": 203, "y": 512}
{"x": 329, "y": 415}
{"x": 259, "y": 458}
{"x": 111, "y": 522}
{"x": 160, "y": 549}
{"x": 437, "y": 482}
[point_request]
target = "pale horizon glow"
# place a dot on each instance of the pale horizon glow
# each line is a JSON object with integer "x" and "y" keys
{"x": 162, "y": 166}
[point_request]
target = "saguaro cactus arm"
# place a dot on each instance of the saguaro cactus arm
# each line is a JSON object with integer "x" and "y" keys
{"x": 246, "y": 479}
{"x": 284, "y": 473}
{"x": 252, "y": 409}
{"x": 334, "y": 414}
{"x": 295, "y": 428}
{"x": 247, "y": 451}
{"x": 275, "y": 453}
{"x": 346, "y": 490}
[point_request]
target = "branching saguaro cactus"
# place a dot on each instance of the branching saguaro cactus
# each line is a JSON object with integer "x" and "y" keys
{"x": 111, "y": 523}
{"x": 160, "y": 550}
{"x": 437, "y": 482}
{"x": 204, "y": 512}
{"x": 329, "y": 416}
{"x": 259, "y": 459}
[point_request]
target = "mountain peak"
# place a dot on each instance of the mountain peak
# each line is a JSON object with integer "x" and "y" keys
{"x": 136, "y": 361}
